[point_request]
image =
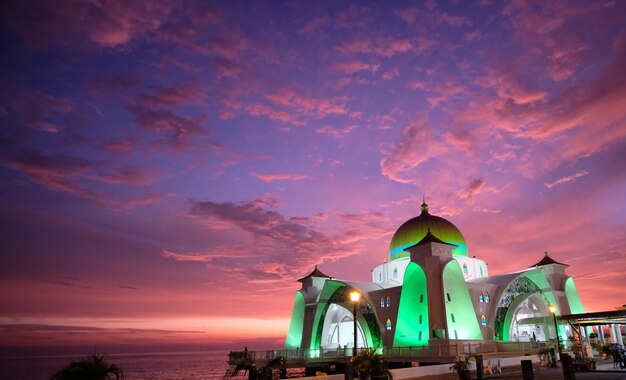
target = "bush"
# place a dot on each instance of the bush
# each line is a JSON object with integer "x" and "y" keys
{"x": 368, "y": 364}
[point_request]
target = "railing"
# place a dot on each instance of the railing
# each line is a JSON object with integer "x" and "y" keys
{"x": 457, "y": 349}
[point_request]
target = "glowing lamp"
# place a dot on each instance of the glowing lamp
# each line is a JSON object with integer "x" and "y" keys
{"x": 552, "y": 309}
{"x": 355, "y": 296}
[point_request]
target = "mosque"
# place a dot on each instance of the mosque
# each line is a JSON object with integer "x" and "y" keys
{"x": 430, "y": 291}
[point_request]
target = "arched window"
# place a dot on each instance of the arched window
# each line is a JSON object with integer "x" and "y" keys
{"x": 382, "y": 301}
{"x": 395, "y": 272}
{"x": 388, "y": 324}
{"x": 481, "y": 298}
{"x": 486, "y": 296}
{"x": 483, "y": 320}
{"x": 465, "y": 269}
{"x": 388, "y": 301}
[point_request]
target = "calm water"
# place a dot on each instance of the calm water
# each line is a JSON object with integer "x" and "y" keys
{"x": 166, "y": 366}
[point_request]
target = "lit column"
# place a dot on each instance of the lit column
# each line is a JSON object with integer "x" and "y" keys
{"x": 355, "y": 297}
{"x": 556, "y": 327}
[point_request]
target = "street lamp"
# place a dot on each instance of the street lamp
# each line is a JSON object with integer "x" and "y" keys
{"x": 552, "y": 309}
{"x": 355, "y": 297}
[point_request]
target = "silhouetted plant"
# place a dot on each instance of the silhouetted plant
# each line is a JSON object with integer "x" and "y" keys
{"x": 92, "y": 367}
{"x": 368, "y": 364}
{"x": 462, "y": 366}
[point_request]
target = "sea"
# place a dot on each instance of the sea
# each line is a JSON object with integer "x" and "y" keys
{"x": 149, "y": 366}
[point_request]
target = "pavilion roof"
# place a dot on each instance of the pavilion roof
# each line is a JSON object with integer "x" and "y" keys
{"x": 316, "y": 273}
{"x": 547, "y": 260}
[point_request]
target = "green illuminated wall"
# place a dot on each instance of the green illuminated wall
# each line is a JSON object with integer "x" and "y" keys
{"x": 330, "y": 287}
{"x": 460, "y": 305}
{"x": 408, "y": 326}
{"x": 294, "y": 336}
{"x": 575, "y": 304}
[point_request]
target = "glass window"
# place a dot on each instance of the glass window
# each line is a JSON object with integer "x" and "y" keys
{"x": 395, "y": 272}
{"x": 486, "y": 296}
{"x": 422, "y": 298}
{"x": 481, "y": 298}
{"x": 452, "y": 315}
{"x": 465, "y": 269}
{"x": 448, "y": 296}
{"x": 420, "y": 336}
{"x": 388, "y": 324}
{"x": 420, "y": 319}
{"x": 382, "y": 302}
{"x": 388, "y": 301}
{"x": 483, "y": 320}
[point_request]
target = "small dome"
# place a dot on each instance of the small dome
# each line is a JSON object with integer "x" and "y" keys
{"x": 414, "y": 230}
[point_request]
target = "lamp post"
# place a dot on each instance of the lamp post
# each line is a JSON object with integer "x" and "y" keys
{"x": 552, "y": 309}
{"x": 355, "y": 297}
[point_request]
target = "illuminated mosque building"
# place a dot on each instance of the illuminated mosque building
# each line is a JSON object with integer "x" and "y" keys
{"x": 430, "y": 291}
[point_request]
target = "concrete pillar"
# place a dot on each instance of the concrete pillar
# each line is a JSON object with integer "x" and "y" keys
{"x": 601, "y": 334}
{"x": 618, "y": 334}
{"x": 612, "y": 331}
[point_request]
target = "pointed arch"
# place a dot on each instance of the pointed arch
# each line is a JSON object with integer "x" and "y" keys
{"x": 461, "y": 304}
{"x": 412, "y": 322}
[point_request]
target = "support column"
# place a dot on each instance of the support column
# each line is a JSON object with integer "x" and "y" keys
{"x": 612, "y": 332}
{"x": 601, "y": 334}
{"x": 618, "y": 335}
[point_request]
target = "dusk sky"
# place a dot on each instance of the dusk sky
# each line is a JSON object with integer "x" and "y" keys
{"x": 169, "y": 169}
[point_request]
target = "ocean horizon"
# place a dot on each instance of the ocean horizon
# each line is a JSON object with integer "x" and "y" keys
{"x": 175, "y": 365}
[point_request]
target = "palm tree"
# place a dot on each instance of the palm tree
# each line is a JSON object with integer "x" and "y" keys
{"x": 92, "y": 367}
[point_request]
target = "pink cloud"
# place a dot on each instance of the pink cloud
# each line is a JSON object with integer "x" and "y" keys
{"x": 567, "y": 179}
{"x": 71, "y": 24}
{"x": 473, "y": 35}
{"x": 118, "y": 146}
{"x": 381, "y": 46}
{"x": 317, "y": 107}
{"x": 314, "y": 26}
{"x": 275, "y": 114}
{"x": 178, "y": 94}
{"x": 279, "y": 177}
{"x": 284, "y": 246}
{"x": 417, "y": 146}
{"x": 178, "y": 130}
{"x": 352, "y": 67}
{"x": 408, "y": 15}
{"x": 451, "y": 20}
{"x": 337, "y": 133}
{"x": 126, "y": 176}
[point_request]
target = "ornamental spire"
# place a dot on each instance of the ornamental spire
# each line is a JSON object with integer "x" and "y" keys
{"x": 424, "y": 205}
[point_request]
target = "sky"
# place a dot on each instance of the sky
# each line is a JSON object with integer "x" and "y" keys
{"x": 169, "y": 169}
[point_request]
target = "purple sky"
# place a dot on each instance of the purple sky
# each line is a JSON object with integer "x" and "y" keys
{"x": 169, "y": 168}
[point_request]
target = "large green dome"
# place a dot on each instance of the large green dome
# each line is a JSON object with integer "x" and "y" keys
{"x": 414, "y": 230}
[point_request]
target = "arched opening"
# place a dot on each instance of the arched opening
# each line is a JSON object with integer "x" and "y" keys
{"x": 531, "y": 320}
{"x": 338, "y": 329}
